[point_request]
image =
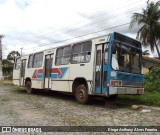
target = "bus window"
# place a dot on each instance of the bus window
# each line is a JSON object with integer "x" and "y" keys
{"x": 124, "y": 58}
{"x": 17, "y": 64}
{"x": 106, "y": 56}
{"x": 63, "y": 55}
{"x": 135, "y": 61}
{"x": 59, "y": 56}
{"x": 38, "y": 58}
{"x": 115, "y": 64}
{"x": 98, "y": 60}
{"x": 30, "y": 61}
{"x": 128, "y": 58}
{"x": 66, "y": 55}
{"x": 81, "y": 52}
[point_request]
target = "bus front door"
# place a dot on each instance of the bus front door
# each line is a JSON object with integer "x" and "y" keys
{"x": 101, "y": 70}
{"x": 48, "y": 68}
{"x": 22, "y": 74}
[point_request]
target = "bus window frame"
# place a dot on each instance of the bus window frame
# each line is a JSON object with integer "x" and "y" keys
{"x": 127, "y": 45}
{"x": 31, "y": 61}
{"x": 63, "y": 56}
{"x": 34, "y": 60}
{"x": 81, "y": 43}
{"x": 32, "y": 64}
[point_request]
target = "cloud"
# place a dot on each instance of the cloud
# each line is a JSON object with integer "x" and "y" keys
{"x": 22, "y": 4}
{"x": 36, "y": 23}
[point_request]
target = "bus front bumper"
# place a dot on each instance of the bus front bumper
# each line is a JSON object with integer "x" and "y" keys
{"x": 125, "y": 90}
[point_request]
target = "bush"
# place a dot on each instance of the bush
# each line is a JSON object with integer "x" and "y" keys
{"x": 8, "y": 77}
{"x": 152, "y": 80}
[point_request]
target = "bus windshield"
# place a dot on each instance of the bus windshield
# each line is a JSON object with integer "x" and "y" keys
{"x": 126, "y": 58}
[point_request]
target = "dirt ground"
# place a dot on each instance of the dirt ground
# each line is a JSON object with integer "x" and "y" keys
{"x": 17, "y": 108}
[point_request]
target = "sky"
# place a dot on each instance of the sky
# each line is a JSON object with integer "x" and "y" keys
{"x": 35, "y": 25}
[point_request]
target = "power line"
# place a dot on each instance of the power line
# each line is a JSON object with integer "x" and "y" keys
{"x": 99, "y": 21}
{"x": 92, "y": 17}
{"x": 53, "y": 30}
{"x": 83, "y": 35}
{"x": 88, "y": 25}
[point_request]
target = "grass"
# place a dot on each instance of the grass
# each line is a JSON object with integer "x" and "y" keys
{"x": 148, "y": 98}
{"x": 10, "y": 84}
{"x": 7, "y": 82}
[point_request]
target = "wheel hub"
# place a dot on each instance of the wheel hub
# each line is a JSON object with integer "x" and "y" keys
{"x": 81, "y": 94}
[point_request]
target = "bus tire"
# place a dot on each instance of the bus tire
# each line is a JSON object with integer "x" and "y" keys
{"x": 81, "y": 94}
{"x": 28, "y": 87}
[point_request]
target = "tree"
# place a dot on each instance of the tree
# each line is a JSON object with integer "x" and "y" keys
{"x": 149, "y": 33}
{"x": 12, "y": 55}
{"x": 146, "y": 52}
{"x": 1, "y": 36}
{"x": 7, "y": 67}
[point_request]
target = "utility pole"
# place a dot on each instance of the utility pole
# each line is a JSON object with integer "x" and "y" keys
{"x": 1, "y": 75}
{"x": 21, "y": 50}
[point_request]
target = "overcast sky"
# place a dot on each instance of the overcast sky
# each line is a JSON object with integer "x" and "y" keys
{"x": 41, "y": 24}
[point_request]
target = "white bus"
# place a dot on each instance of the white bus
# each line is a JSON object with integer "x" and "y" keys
{"x": 105, "y": 66}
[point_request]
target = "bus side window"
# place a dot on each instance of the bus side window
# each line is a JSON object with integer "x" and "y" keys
{"x": 66, "y": 55}
{"x": 38, "y": 58}
{"x": 30, "y": 61}
{"x": 81, "y": 52}
{"x": 18, "y": 62}
{"x": 63, "y": 55}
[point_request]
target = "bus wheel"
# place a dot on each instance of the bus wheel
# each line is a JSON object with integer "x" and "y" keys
{"x": 28, "y": 87}
{"x": 81, "y": 94}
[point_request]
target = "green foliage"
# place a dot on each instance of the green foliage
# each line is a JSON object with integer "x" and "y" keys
{"x": 9, "y": 77}
{"x": 12, "y": 55}
{"x": 151, "y": 94}
{"x": 7, "y": 64}
{"x": 148, "y": 19}
{"x": 7, "y": 69}
{"x": 148, "y": 98}
{"x": 152, "y": 80}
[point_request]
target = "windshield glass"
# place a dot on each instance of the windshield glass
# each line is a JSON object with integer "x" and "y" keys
{"x": 125, "y": 58}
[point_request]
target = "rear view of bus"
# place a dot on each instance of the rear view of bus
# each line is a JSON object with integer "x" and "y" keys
{"x": 125, "y": 60}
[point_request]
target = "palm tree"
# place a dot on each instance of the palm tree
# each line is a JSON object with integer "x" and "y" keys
{"x": 149, "y": 33}
{"x": 12, "y": 55}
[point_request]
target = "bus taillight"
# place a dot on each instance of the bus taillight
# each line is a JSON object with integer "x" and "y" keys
{"x": 116, "y": 83}
{"x": 140, "y": 91}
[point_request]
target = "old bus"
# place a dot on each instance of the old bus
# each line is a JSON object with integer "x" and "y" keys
{"x": 105, "y": 66}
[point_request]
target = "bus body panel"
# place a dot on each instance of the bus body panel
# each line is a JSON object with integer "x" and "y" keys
{"x": 36, "y": 76}
{"x": 16, "y": 77}
{"x": 60, "y": 75}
